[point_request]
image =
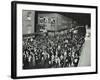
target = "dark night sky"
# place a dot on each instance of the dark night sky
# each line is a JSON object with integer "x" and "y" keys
{"x": 81, "y": 18}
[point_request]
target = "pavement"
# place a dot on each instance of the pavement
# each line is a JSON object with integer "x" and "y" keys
{"x": 85, "y": 58}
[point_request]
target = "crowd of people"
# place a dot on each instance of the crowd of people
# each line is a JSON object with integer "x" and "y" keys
{"x": 45, "y": 51}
